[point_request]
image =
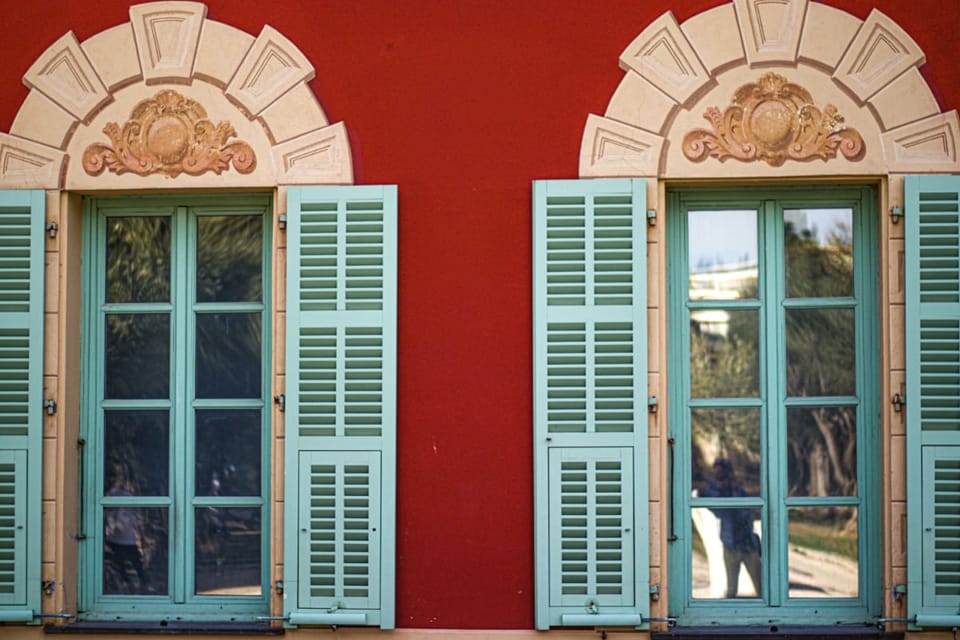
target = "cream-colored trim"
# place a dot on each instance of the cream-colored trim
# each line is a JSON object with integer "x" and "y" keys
{"x": 258, "y": 86}
{"x": 867, "y": 69}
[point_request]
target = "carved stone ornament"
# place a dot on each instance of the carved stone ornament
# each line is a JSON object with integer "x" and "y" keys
{"x": 169, "y": 134}
{"x": 773, "y": 120}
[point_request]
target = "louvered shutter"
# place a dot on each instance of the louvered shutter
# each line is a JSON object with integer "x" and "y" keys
{"x": 22, "y": 218}
{"x": 590, "y": 403}
{"x": 341, "y": 333}
{"x": 932, "y": 253}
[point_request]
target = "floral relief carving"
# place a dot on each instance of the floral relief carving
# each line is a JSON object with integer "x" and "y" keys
{"x": 773, "y": 120}
{"x": 169, "y": 134}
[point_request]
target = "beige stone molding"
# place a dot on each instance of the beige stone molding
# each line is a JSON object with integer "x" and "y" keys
{"x": 663, "y": 55}
{"x": 866, "y": 70}
{"x": 771, "y": 28}
{"x": 256, "y": 86}
{"x": 773, "y": 120}
{"x": 612, "y": 148}
{"x": 169, "y": 134}
{"x": 167, "y": 34}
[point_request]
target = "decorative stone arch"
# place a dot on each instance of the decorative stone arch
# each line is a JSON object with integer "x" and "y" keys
{"x": 867, "y": 69}
{"x": 172, "y": 99}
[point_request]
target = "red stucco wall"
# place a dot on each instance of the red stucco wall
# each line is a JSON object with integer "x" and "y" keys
{"x": 462, "y": 103}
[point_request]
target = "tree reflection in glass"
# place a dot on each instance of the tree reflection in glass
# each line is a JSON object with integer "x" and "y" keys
{"x": 138, "y": 259}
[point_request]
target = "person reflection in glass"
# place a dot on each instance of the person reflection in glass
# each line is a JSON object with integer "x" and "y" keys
{"x": 741, "y": 545}
{"x": 122, "y": 539}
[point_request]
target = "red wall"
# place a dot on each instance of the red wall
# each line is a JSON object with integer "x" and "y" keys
{"x": 462, "y": 103}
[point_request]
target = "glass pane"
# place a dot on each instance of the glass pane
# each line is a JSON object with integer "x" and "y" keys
{"x": 822, "y": 451}
{"x": 136, "y": 453}
{"x": 723, "y": 254}
{"x": 228, "y": 453}
{"x": 821, "y": 352}
{"x": 138, "y": 356}
{"x": 823, "y": 552}
{"x": 725, "y": 452}
{"x": 228, "y": 551}
{"x": 727, "y": 558}
{"x": 819, "y": 247}
{"x": 229, "y": 258}
{"x": 138, "y": 259}
{"x": 724, "y": 360}
{"x": 228, "y": 355}
{"x": 135, "y": 551}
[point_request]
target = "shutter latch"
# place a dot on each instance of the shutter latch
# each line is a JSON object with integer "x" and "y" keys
{"x": 281, "y": 401}
{"x": 282, "y": 221}
{"x": 895, "y": 214}
{"x": 652, "y": 217}
{"x": 898, "y": 401}
{"x": 52, "y": 228}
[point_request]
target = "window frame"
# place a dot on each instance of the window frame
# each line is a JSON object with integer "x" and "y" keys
{"x": 180, "y": 599}
{"x": 866, "y": 294}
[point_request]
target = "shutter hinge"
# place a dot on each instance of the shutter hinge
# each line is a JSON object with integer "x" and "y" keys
{"x": 655, "y": 592}
{"x": 52, "y": 228}
{"x": 898, "y": 592}
{"x": 652, "y": 404}
{"x": 898, "y": 401}
{"x": 652, "y": 217}
{"x": 895, "y": 214}
{"x": 49, "y": 586}
{"x": 282, "y": 221}
{"x": 281, "y": 401}
{"x": 278, "y": 586}
{"x": 50, "y": 405}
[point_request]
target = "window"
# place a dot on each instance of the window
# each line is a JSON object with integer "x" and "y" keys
{"x": 773, "y": 333}
{"x": 175, "y": 415}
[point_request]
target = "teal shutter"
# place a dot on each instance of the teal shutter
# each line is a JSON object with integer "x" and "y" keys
{"x": 590, "y": 403}
{"x": 932, "y": 252}
{"x": 341, "y": 333}
{"x": 22, "y": 219}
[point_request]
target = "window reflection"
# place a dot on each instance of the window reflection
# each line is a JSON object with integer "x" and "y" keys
{"x": 137, "y": 356}
{"x": 725, "y": 434}
{"x": 727, "y": 558}
{"x": 823, "y": 552}
{"x": 822, "y": 451}
{"x": 723, "y": 254}
{"x": 138, "y": 259}
{"x": 229, "y": 258}
{"x": 228, "y": 355}
{"x": 136, "y": 452}
{"x": 228, "y": 551}
{"x": 821, "y": 352}
{"x": 724, "y": 353}
{"x": 228, "y": 453}
{"x": 135, "y": 549}
{"x": 819, "y": 252}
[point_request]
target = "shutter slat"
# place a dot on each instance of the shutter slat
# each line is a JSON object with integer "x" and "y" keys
{"x": 932, "y": 252}
{"x": 341, "y": 404}
{"x": 590, "y": 383}
{"x": 22, "y": 218}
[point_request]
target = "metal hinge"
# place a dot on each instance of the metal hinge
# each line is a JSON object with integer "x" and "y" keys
{"x": 282, "y": 221}
{"x": 895, "y": 214}
{"x": 652, "y": 404}
{"x": 279, "y": 587}
{"x": 654, "y": 592}
{"x": 281, "y": 401}
{"x": 50, "y": 405}
{"x": 652, "y": 217}
{"x": 899, "y": 591}
{"x": 52, "y": 228}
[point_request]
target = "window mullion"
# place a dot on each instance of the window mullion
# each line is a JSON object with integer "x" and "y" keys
{"x": 182, "y": 386}
{"x": 773, "y": 346}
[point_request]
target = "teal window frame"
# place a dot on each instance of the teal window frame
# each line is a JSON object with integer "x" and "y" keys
{"x": 183, "y": 306}
{"x": 776, "y": 607}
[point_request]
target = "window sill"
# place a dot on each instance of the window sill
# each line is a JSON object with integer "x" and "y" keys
{"x": 180, "y": 627}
